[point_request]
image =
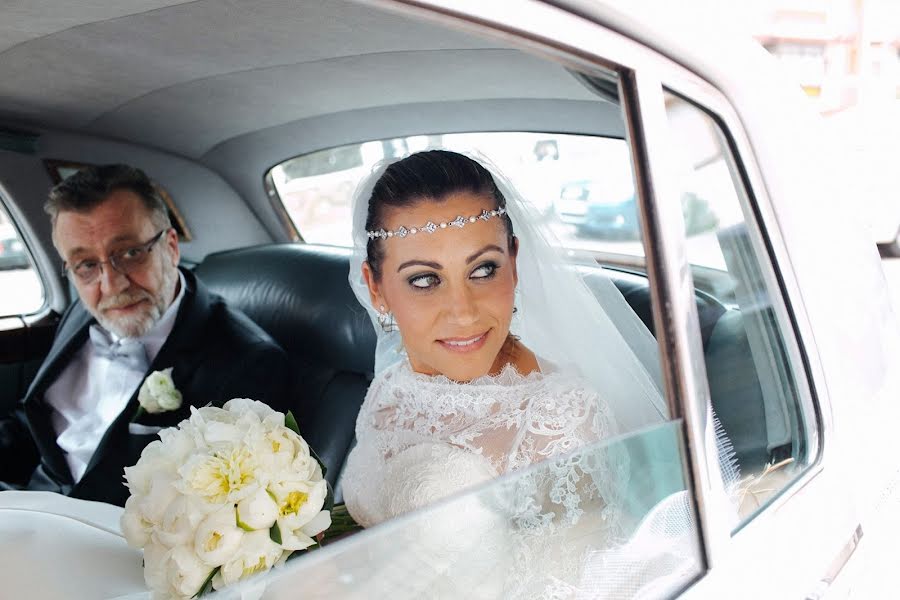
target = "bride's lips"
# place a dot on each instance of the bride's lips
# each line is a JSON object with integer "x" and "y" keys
{"x": 464, "y": 344}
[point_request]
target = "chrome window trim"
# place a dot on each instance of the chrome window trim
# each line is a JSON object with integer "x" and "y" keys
{"x": 671, "y": 285}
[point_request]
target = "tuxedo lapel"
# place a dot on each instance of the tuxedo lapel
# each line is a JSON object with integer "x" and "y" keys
{"x": 176, "y": 352}
{"x": 71, "y": 336}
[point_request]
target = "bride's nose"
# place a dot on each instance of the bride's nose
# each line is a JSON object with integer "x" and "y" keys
{"x": 461, "y": 306}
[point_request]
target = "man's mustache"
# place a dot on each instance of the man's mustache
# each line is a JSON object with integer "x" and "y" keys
{"x": 124, "y": 299}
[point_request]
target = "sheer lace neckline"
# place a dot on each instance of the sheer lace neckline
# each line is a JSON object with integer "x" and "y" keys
{"x": 508, "y": 376}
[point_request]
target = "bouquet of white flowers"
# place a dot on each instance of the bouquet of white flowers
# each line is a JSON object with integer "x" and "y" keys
{"x": 230, "y": 492}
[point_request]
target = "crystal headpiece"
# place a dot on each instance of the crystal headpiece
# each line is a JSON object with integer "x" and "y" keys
{"x": 430, "y": 227}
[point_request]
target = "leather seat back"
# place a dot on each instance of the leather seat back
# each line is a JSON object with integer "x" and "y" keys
{"x": 299, "y": 294}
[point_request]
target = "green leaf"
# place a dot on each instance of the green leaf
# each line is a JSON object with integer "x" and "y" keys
{"x": 206, "y": 588}
{"x": 291, "y": 423}
{"x": 275, "y": 533}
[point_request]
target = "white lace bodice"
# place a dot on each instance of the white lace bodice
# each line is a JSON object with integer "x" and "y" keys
{"x": 423, "y": 438}
{"x": 420, "y": 438}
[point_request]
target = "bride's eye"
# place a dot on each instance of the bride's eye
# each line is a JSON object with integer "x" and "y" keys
{"x": 485, "y": 271}
{"x": 424, "y": 282}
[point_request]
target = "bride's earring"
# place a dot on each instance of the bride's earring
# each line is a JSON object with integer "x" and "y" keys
{"x": 386, "y": 320}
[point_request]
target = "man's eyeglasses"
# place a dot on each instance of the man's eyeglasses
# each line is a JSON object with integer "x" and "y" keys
{"x": 125, "y": 261}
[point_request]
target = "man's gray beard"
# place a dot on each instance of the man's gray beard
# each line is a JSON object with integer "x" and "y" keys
{"x": 135, "y": 326}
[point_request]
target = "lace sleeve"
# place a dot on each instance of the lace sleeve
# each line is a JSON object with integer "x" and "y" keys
{"x": 557, "y": 425}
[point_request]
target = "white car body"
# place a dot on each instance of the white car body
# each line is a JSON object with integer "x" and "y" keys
{"x": 832, "y": 532}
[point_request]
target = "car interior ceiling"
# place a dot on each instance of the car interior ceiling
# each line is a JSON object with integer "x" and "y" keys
{"x": 186, "y": 91}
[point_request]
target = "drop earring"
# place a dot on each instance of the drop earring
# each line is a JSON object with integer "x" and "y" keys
{"x": 386, "y": 320}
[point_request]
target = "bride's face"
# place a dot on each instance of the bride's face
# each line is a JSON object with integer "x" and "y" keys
{"x": 451, "y": 292}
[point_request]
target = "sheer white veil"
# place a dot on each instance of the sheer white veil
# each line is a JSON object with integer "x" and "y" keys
{"x": 568, "y": 313}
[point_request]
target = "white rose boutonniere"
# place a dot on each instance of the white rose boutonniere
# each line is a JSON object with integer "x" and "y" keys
{"x": 158, "y": 393}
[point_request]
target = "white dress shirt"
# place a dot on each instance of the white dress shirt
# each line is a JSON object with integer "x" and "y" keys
{"x": 93, "y": 390}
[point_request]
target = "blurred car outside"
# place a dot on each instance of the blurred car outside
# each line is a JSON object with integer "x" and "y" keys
{"x": 12, "y": 251}
{"x": 599, "y": 210}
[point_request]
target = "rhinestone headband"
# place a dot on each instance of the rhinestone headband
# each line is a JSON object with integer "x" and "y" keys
{"x": 430, "y": 227}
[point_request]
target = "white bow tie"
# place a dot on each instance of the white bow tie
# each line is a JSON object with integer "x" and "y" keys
{"x": 126, "y": 351}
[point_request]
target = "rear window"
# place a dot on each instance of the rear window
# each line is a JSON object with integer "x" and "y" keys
{"x": 581, "y": 185}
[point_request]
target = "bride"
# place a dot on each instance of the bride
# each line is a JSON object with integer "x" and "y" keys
{"x": 493, "y": 355}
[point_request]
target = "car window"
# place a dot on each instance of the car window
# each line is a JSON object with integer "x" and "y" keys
{"x": 21, "y": 290}
{"x": 483, "y": 543}
{"x": 580, "y": 185}
{"x": 757, "y": 382}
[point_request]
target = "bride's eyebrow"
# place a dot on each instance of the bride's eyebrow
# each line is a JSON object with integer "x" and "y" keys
{"x": 488, "y": 248}
{"x": 424, "y": 263}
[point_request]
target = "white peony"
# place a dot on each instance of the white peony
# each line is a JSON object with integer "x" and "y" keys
{"x": 162, "y": 492}
{"x": 156, "y": 561}
{"x": 258, "y": 511}
{"x": 158, "y": 393}
{"x": 187, "y": 573}
{"x": 208, "y": 495}
{"x": 225, "y": 476}
{"x": 179, "y": 522}
{"x": 135, "y": 527}
{"x": 257, "y": 553}
{"x": 218, "y": 537}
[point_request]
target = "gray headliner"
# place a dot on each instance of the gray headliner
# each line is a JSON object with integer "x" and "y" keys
{"x": 186, "y": 77}
{"x": 208, "y": 95}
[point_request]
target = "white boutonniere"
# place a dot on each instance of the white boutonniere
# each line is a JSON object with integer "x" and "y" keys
{"x": 158, "y": 393}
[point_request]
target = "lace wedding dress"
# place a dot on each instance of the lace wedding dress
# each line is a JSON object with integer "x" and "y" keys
{"x": 424, "y": 438}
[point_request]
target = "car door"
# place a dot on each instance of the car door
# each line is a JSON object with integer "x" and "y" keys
{"x": 782, "y": 547}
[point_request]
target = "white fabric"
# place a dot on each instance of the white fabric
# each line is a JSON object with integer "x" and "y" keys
{"x": 59, "y": 547}
{"x": 417, "y": 436}
{"x": 92, "y": 390}
{"x": 423, "y": 438}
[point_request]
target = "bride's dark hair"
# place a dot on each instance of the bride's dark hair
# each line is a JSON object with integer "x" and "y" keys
{"x": 429, "y": 176}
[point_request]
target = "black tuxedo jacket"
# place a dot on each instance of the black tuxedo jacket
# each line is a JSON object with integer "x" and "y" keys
{"x": 216, "y": 353}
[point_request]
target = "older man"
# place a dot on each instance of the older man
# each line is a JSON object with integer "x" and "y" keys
{"x": 141, "y": 328}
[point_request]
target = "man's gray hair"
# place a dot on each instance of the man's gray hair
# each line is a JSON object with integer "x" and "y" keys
{"x": 91, "y": 186}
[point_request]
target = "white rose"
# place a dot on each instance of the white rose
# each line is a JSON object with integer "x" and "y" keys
{"x": 259, "y": 511}
{"x": 187, "y": 572}
{"x": 218, "y": 537}
{"x": 158, "y": 393}
{"x": 257, "y": 553}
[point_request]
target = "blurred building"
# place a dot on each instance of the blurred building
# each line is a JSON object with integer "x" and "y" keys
{"x": 843, "y": 52}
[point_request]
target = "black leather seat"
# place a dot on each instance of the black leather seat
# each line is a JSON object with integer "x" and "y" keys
{"x": 299, "y": 294}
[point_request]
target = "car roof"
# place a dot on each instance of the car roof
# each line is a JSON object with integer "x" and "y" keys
{"x": 188, "y": 77}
